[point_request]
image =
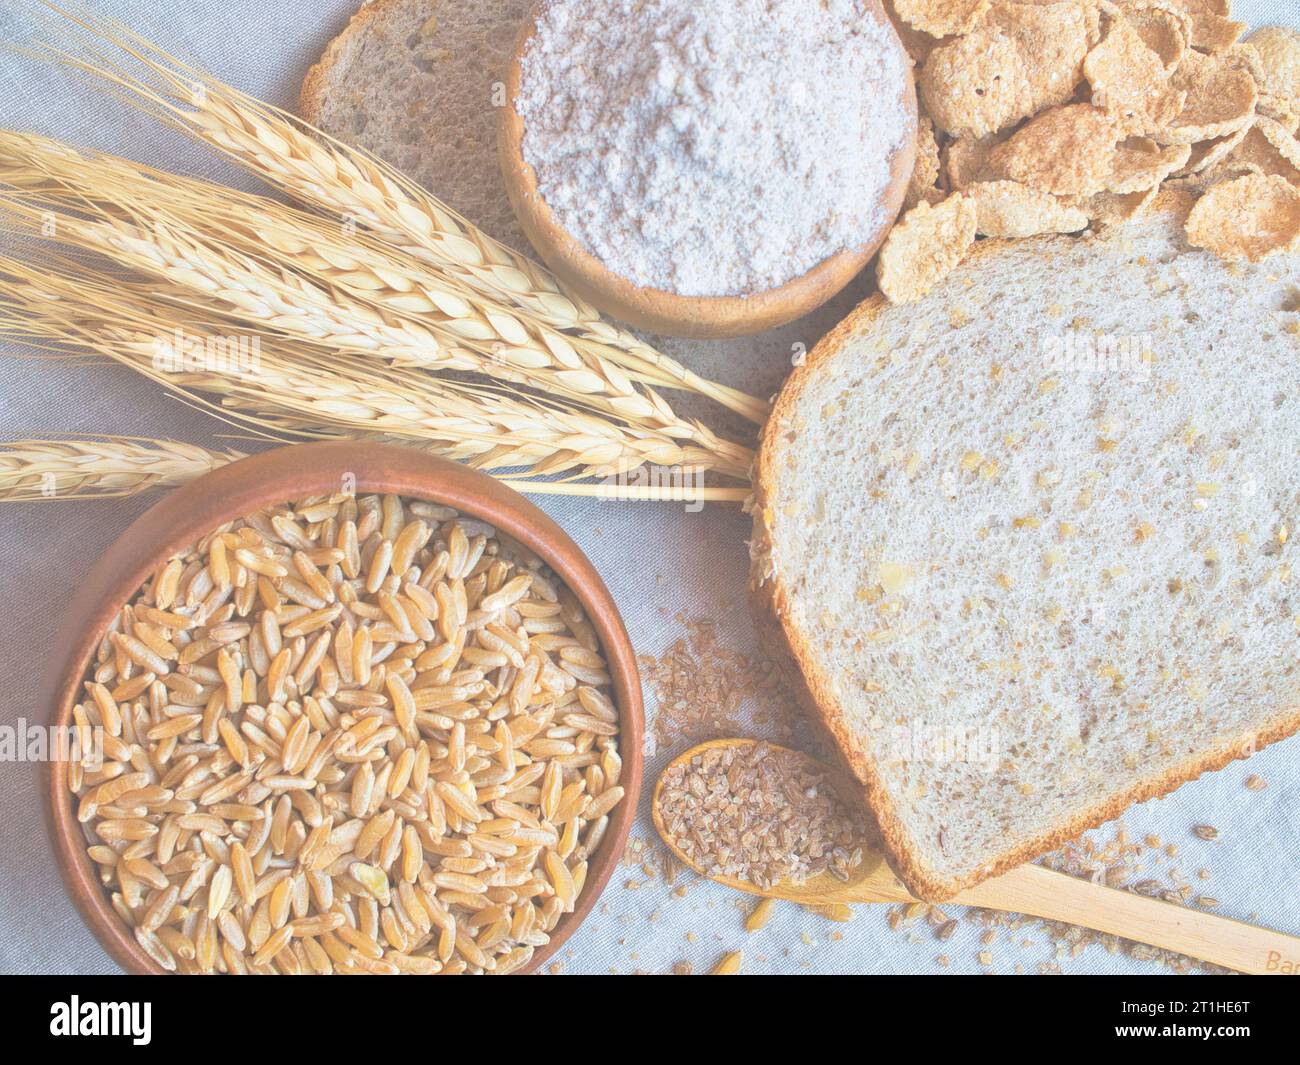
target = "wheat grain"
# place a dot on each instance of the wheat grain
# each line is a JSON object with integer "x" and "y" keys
{"x": 323, "y": 848}
{"x": 759, "y": 915}
{"x": 728, "y": 964}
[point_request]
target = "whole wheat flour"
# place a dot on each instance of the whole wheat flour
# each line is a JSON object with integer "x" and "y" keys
{"x": 713, "y": 150}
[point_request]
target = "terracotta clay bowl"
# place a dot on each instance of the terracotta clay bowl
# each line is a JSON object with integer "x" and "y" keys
{"x": 665, "y": 312}
{"x": 185, "y": 515}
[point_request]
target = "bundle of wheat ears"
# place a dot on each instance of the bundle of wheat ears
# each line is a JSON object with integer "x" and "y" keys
{"x": 379, "y": 313}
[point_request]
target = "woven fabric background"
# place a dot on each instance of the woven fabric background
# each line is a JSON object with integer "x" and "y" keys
{"x": 665, "y": 567}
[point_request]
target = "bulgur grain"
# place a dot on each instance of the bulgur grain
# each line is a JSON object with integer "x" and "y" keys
{"x": 758, "y": 813}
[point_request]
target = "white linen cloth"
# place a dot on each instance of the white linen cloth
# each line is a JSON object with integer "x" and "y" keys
{"x": 660, "y": 562}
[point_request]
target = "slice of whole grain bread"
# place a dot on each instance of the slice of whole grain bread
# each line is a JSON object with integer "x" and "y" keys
{"x": 1026, "y": 587}
{"x": 419, "y": 84}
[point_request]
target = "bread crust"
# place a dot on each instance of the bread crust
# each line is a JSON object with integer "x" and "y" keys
{"x": 919, "y": 877}
{"x": 315, "y": 85}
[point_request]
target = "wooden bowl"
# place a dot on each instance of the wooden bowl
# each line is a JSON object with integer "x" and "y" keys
{"x": 185, "y": 515}
{"x": 667, "y": 312}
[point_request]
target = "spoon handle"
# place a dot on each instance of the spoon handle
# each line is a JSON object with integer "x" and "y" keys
{"x": 1039, "y": 892}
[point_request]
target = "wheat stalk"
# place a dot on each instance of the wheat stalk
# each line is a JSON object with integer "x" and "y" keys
{"x": 114, "y": 466}
{"x": 329, "y": 175}
{"x": 295, "y": 242}
{"x": 99, "y": 467}
{"x": 295, "y": 389}
{"x": 291, "y": 242}
{"x": 442, "y": 331}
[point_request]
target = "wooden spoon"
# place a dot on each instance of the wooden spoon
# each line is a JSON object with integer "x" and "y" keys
{"x": 667, "y": 312}
{"x": 1031, "y": 890}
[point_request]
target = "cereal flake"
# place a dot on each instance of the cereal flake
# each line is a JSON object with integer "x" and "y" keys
{"x": 925, "y": 246}
{"x": 1250, "y": 217}
{"x": 1009, "y": 209}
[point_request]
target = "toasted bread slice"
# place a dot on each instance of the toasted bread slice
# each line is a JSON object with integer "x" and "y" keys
{"x": 1027, "y": 587}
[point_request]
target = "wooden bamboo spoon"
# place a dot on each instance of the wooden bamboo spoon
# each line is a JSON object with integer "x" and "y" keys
{"x": 1031, "y": 890}
{"x": 667, "y": 312}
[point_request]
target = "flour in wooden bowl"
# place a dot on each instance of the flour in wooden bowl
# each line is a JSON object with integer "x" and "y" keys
{"x": 713, "y": 150}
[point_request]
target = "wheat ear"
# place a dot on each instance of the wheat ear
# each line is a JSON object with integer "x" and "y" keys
{"x": 142, "y": 233}
{"x": 295, "y": 389}
{"x": 329, "y": 175}
{"x": 502, "y": 339}
{"x": 114, "y": 466}
{"x": 99, "y": 467}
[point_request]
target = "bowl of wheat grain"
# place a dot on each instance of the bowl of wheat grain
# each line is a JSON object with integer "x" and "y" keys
{"x": 343, "y": 707}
